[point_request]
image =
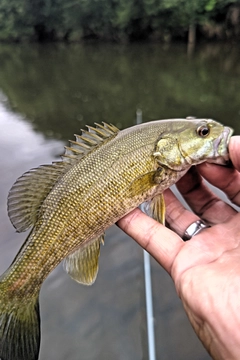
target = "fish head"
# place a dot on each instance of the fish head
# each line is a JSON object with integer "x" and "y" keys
{"x": 191, "y": 142}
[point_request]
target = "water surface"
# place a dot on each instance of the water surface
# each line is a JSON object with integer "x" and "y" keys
{"x": 50, "y": 92}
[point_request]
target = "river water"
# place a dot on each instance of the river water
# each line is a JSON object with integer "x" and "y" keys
{"x": 48, "y": 93}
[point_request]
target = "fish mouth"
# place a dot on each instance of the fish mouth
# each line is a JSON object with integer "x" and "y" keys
{"x": 220, "y": 147}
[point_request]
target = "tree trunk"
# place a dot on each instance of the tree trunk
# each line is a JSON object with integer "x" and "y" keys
{"x": 191, "y": 38}
{"x": 192, "y": 34}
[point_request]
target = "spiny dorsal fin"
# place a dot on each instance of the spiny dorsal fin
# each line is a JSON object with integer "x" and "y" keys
{"x": 82, "y": 265}
{"x": 29, "y": 191}
{"x": 89, "y": 140}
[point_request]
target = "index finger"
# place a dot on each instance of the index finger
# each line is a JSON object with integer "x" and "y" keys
{"x": 162, "y": 243}
{"x": 201, "y": 199}
{"x": 226, "y": 179}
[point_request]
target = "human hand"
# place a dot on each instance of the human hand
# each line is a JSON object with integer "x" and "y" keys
{"x": 205, "y": 269}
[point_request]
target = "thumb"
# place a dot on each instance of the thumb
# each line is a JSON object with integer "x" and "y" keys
{"x": 234, "y": 151}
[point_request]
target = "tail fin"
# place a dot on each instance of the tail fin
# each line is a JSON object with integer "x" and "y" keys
{"x": 19, "y": 328}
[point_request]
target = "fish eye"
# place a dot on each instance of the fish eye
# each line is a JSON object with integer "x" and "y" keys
{"x": 203, "y": 130}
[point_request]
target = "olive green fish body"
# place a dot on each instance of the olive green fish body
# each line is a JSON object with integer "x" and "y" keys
{"x": 105, "y": 174}
{"x": 90, "y": 197}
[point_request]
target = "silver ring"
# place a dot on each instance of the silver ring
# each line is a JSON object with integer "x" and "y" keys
{"x": 194, "y": 229}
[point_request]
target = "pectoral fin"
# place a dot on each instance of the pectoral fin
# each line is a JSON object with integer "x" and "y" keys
{"x": 145, "y": 182}
{"x": 82, "y": 265}
{"x": 156, "y": 208}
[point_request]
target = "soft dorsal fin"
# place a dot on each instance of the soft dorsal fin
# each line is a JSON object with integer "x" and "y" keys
{"x": 89, "y": 140}
{"x": 30, "y": 190}
{"x": 82, "y": 265}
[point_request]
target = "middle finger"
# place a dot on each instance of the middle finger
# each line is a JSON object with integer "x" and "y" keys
{"x": 202, "y": 200}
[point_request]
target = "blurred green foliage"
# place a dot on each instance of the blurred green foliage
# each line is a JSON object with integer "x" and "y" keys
{"x": 115, "y": 20}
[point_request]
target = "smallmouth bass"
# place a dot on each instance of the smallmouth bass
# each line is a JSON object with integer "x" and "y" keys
{"x": 104, "y": 174}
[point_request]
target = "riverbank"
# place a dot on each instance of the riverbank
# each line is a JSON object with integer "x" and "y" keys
{"x": 119, "y": 21}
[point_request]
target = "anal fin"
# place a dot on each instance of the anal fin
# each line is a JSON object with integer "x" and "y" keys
{"x": 82, "y": 265}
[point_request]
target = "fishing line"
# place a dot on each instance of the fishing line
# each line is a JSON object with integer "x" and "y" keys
{"x": 148, "y": 286}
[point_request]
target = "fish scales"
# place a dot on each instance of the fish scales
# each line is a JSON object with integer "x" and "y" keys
{"x": 108, "y": 169}
{"x": 89, "y": 193}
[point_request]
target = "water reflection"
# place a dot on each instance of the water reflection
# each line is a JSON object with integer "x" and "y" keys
{"x": 55, "y": 90}
{"x": 21, "y": 149}
{"x": 61, "y": 88}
